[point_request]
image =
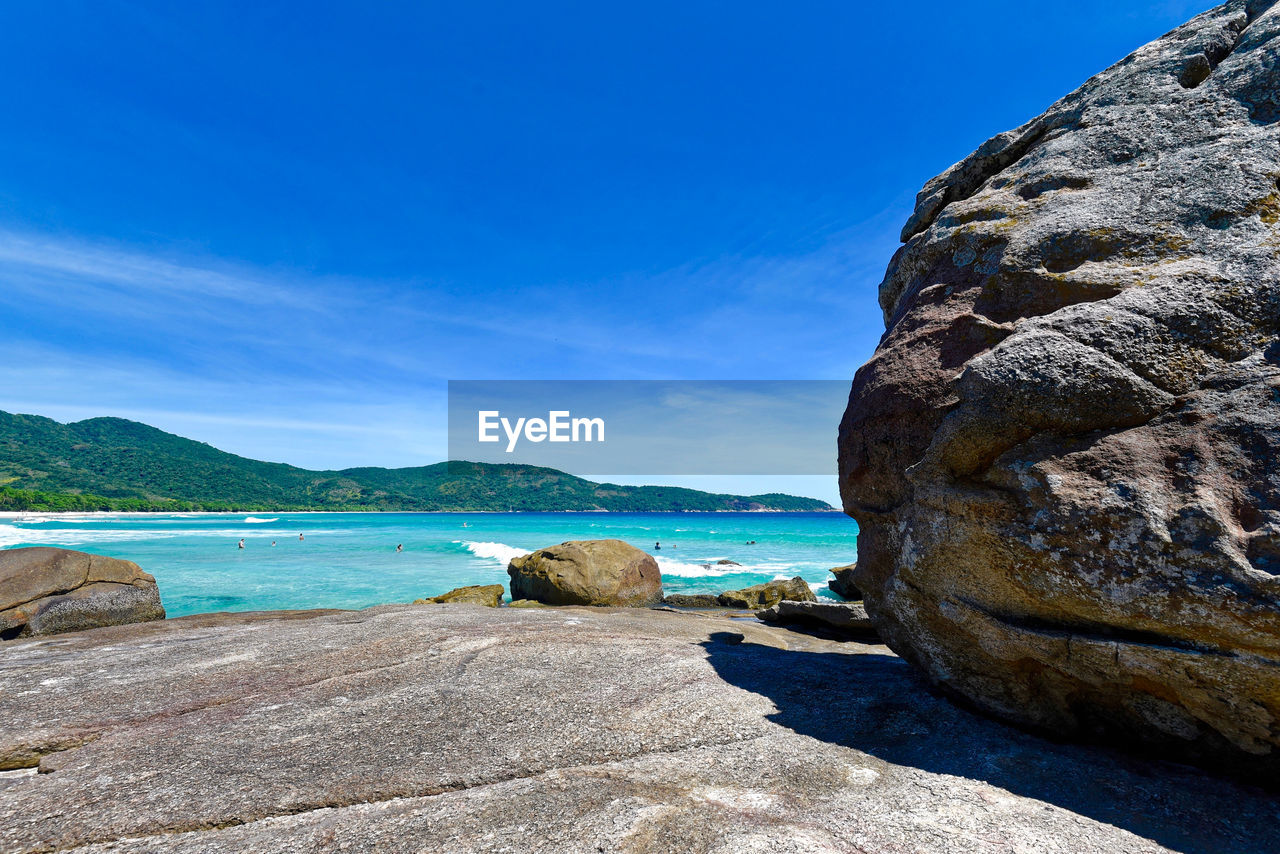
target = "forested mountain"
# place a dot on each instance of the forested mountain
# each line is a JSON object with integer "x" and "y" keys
{"x": 116, "y": 464}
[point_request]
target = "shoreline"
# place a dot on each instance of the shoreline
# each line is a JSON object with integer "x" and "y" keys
{"x": 13, "y": 514}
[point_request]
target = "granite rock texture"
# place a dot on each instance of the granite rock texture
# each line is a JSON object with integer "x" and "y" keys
{"x": 488, "y": 595}
{"x": 850, "y": 617}
{"x": 1062, "y": 455}
{"x": 587, "y": 572}
{"x": 770, "y": 593}
{"x": 457, "y": 729}
{"x": 843, "y": 584}
{"x": 46, "y": 591}
{"x": 691, "y": 600}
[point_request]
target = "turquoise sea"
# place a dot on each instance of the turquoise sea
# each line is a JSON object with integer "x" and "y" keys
{"x": 348, "y": 560}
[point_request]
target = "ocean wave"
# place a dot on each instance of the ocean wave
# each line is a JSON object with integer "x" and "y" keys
{"x": 696, "y": 570}
{"x": 11, "y": 536}
{"x": 501, "y": 552}
{"x": 254, "y": 520}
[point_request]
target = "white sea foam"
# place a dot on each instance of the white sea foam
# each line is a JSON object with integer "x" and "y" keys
{"x": 11, "y": 536}
{"x": 254, "y": 520}
{"x": 695, "y": 570}
{"x": 501, "y": 552}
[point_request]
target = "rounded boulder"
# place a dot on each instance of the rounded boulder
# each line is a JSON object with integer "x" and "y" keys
{"x": 587, "y": 572}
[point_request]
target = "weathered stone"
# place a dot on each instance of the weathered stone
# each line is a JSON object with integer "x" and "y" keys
{"x": 841, "y": 616}
{"x": 843, "y": 584}
{"x": 769, "y": 593}
{"x": 692, "y": 600}
{"x": 489, "y": 595}
{"x": 587, "y": 572}
{"x": 557, "y": 730}
{"x": 46, "y": 591}
{"x": 525, "y": 603}
{"x": 1062, "y": 455}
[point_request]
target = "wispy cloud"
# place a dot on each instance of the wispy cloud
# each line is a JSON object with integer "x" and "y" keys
{"x": 304, "y": 365}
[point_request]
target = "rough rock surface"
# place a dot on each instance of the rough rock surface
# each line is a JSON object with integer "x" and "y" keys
{"x": 841, "y": 616}
{"x": 45, "y": 591}
{"x": 456, "y": 728}
{"x": 843, "y": 584}
{"x": 1062, "y": 455}
{"x": 489, "y": 595}
{"x": 769, "y": 593}
{"x": 691, "y": 600}
{"x": 587, "y": 572}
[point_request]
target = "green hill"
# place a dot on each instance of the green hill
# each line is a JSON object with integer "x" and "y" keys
{"x": 115, "y": 464}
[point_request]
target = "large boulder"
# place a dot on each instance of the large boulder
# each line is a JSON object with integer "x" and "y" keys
{"x": 45, "y": 591}
{"x": 1062, "y": 456}
{"x": 770, "y": 593}
{"x": 587, "y": 572}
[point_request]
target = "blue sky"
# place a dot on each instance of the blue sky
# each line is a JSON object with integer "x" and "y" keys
{"x": 282, "y": 227}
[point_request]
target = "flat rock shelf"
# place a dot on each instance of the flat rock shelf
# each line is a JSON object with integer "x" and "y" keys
{"x": 463, "y": 728}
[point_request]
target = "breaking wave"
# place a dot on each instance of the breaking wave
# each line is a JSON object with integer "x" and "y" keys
{"x": 500, "y": 552}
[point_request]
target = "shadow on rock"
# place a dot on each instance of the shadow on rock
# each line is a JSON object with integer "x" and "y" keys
{"x": 874, "y": 703}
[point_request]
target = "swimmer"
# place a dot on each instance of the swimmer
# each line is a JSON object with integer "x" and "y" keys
{"x": 400, "y": 547}
{"x": 657, "y": 547}
{"x": 300, "y": 537}
{"x": 241, "y": 544}
{"x": 273, "y": 542}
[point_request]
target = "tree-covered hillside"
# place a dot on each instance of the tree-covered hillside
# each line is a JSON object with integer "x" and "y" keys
{"x": 115, "y": 464}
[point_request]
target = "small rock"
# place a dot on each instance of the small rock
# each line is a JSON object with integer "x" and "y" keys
{"x": 489, "y": 595}
{"x": 844, "y": 616}
{"x": 763, "y": 595}
{"x": 842, "y": 585}
{"x": 692, "y": 600}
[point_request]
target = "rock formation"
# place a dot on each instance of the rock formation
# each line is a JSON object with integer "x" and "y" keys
{"x": 587, "y": 572}
{"x": 843, "y": 584}
{"x": 548, "y": 731}
{"x": 849, "y": 617}
{"x": 489, "y": 595}
{"x": 1062, "y": 456}
{"x": 45, "y": 591}
{"x": 770, "y": 593}
{"x": 691, "y": 600}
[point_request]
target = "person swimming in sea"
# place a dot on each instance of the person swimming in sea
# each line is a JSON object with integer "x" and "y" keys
{"x": 240, "y": 545}
{"x": 300, "y": 537}
{"x": 273, "y": 542}
{"x": 399, "y": 547}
